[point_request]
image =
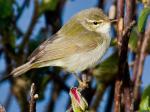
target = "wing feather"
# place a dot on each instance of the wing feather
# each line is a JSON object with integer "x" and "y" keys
{"x": 58, "y": 47}
{"x": 39, "y": 49}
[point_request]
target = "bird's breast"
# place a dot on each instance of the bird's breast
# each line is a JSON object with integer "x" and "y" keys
{"x": 82, "y": 61}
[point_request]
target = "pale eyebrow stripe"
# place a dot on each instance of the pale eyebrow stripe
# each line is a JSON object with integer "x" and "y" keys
{"x": 94, "y": 20}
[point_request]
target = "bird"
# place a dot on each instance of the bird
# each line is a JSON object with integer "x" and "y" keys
{"x": 78, "y": 45}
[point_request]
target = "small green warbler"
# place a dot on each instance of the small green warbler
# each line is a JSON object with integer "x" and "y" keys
{"x": 78, "y": 45}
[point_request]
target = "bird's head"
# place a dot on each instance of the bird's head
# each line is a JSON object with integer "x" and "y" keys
{"x": 94, "y": 19}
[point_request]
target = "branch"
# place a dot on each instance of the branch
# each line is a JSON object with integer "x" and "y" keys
{"x": 130, "y": 11}
{"x": 58, "y": 86}
{"x": 120, "y": 14}
{"x": 21, "y": 9}
{"x": 127, "y": 84}
{"x": 98, "y": 96}
{"x": 33, "y": 98}
{"x": 8, "y": 101}
{"x": 59, "y": 80}
{"x": 6, "y": 47}
{"x": 123, "y": 83}
{"x": 127, "y": 91}
{"x": 118, "y": 83}
{"x": 141, "y": 61}
{"x": 56, "y": 90}
{"x": 9, "y": 51}
{"x": 2, "y": 109}
{"x": 136, "y": 61}
{"x": 109, "y": 103}
{"x": 101, "y": 3}
{"x": 31, "y": 27}
{"x": 129, "y": 28}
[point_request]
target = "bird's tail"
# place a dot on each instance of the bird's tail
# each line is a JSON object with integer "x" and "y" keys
{"x": 21, "y": 69}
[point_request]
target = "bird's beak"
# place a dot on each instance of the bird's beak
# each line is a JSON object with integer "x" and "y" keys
{"x": 113, "y": 20}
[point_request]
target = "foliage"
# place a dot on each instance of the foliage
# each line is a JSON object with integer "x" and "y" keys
{"x": 142, "y": 19}
{"x": 107, "y": 70}
{"x": 133, "y": 40}
{"x": 6, "y": 13}
{"x": 145, "y": 102}
{"x": 16, "y": 46}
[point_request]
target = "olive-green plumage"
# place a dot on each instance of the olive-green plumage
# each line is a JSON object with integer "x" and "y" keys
{"x": 79, "y": 44}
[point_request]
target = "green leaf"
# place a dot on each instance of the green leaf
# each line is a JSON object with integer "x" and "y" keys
{"x": 133, "y": 40}
{"x": 42, "y": 86}
{"x": 145, "y": 102}
{"x": 5, "y": 8}
{"x": 12, "y": 40}
{"x": 107, "y": 70}
{"x": 142, "y": 19}
{"x": 6, "y": 13}
{"x": 146, "y": 92}
{"x": 49, "y": 5}
{"x": 39, "y": 38}
{"x": 113, "y": 42}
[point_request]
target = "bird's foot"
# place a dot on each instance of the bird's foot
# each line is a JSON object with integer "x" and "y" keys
{"x": 83, "y": 84}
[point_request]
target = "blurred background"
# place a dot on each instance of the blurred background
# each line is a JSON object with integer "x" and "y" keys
{"x": 24, "y": 24}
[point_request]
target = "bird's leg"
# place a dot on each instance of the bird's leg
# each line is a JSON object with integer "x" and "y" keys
{"x": 82, "y": 83}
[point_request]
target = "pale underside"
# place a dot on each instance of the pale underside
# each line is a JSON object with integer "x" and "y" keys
{"x": 73, "y": 54}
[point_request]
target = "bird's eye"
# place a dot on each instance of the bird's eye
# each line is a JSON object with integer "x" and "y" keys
{"x": 95, "y": 23}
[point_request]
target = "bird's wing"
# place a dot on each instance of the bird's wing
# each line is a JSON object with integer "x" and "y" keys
{"x": 38, "y": 50}
{"x": 59, "y": 47}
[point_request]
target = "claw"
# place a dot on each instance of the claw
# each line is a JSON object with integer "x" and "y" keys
{"x": 82, "y": 84}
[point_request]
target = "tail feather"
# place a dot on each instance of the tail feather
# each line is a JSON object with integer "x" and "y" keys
{"x": 21, "y": 69}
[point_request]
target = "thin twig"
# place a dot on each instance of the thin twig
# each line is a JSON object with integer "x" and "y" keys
{"x": 127, "y": 84}
{"x": 31, "y": 27}
{"x": 130, "y": 11}
{"x": 128, "y": 28}
{"x": 127, "y": 95}
{"x": 21, "y": 9}
{"x": 118, "y": 83}
{"x": 136, "y": 61}
{"x": 141, "y": 61}
{"x": 120, "y": 14}
{"x": 57, "y": 79}
{"x": 98, "y": 96}
{"x": 101, "y": 3}
{"x": 109, "y": 103}
{"x": 8, "y": 101}
{"x": 123, "y": 79}
{"x": 58, "y": 86}
{"x": 56, "y": 90}
{"x": 7, "y": 48}
{"x": 33, "y": 98}
{"x": 2, "y": 109}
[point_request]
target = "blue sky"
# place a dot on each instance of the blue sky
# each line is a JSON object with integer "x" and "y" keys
{"x": 71, "y": 7}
